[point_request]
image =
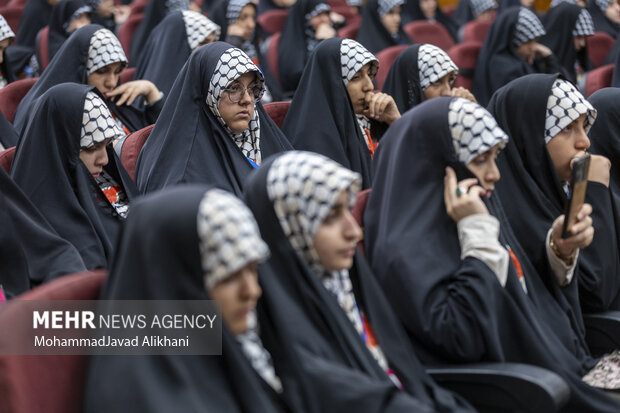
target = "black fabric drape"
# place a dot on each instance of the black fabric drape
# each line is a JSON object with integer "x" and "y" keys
{"x": 32, "y": 252}
{"x": 412, "y": 12}
{"x": 74, "y": 54}
{"x": 559, "y": 24}
{"x": 161, "y": 238}
{"x": 532, "y": 194}
{"x": 372, "y": 33}
{"x": 61, "y": 16}
{"x": 454, "y": 309}
{"x": 321, "y": 118}
{"x": 463, "y": 13}
{"x": 35, "y": 16}
{"x": 601, "y": 22}
{"x": 154, "y": 13}
{"x": 8, "y": 134}
{"x": 403, "y": 80}
{"x": 188, "y": 144}
{"x": 498, "y": 62}
{"x": 48, "y": 169}
{"x": 333, "y": 356}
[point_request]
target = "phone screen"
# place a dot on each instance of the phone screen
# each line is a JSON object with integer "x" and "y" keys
{"x": 579, "y": 184}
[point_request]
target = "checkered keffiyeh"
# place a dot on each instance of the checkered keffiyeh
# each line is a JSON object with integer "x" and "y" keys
{"x": 104, "y": 49}
{"x": 528, "y": 28}
{"x": 97, "y": 122}
{"x": 433, "y": 64}
{"x": 564, "y": 106}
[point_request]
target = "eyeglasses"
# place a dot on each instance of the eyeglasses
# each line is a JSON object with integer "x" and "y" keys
{"x": 236, "y": 91}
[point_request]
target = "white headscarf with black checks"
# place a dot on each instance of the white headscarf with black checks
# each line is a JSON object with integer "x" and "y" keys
{"x": 474, "y": 130}
{"x": 480, "y": 6}
{"x": 176, "y": 5}
{"x": 303, "y": 187}
{"x": 97, "y": 122}
{"x": 353, "y": 56}
{"x": 198, "y": 28}
{"x": 603, "y": 4}
{"x": 5, "y": 29}
{"x": 433, "y": 64}
{"x": 232, "y": 64}
{"x": 564, "y": 106}
{"x": 385, "y": 6}
{"x": 234, "y": 9}
{"x": 584, "y": 26}
{"x": 528, "y": 28}
{"x": 229, "y": 240}
{"x": 104, "y": 49}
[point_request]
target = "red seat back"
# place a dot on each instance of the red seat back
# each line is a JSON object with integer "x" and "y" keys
{"x": 127, "y": 29}
{"x": 599, "y": 45}
{"x": 127, "y": 74}
{"x": 386, "y": 57}
{"x": 424, "y": 31}
{"x": 358, "y": 213}
{"x": 12, "y": 94}
{"x": 272, "y": 20}
{"x": 465, "y": 55}
{"x": 476, "y": 30}
{"x": 350, "y": 30}
{"x": 51, "y": 384}
{"x": 131, "y": 149}
{"x": 272, "y": 56}
{"x": 599, "y": 78}
{"x": 277, "y": 111}
{"x": 6, "y": 159}
{"x": 13, "y": 14}
{"x": 42, "y": 47}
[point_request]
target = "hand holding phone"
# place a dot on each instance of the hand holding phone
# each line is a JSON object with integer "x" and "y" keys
{"x": 577, "y": 195}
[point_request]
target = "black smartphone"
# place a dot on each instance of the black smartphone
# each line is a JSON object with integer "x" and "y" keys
{"x": 577, "y": 195}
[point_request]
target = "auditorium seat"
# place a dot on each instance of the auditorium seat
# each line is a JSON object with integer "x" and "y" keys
{"x": 127, "y": 29}
{"x": 42, "y": 47}
{"x": 131, "y": 149}
{"x": 272, "y": 56}
{"x": 465, "y": 55}
{"x": 12, "y": 94}
{"x": 272, "y": 20}
{"x": 6, "y": 159}
{"x": 277, "y": 111}
{"x": 599, "y": 78}
{"x": 386, "y": 57}
{"x": 476, "y": 30}
{"x": 45, "y": 383}
{"x": 599, "y": 45}
{"x": 424, "y": 31}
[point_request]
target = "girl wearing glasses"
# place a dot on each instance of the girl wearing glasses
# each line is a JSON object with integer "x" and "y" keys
{"x": 212, "y": 128}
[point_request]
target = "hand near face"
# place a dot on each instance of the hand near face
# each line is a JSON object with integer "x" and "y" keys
{"x": 540, "y": 50}
{"x": 468, "y": 202}
{"x": 583, "y": 233}
{"x": 121, "y": 14}
{"x": 129, "y": 91}
{"x": 381, "y": 107}
{"x": 324, "y": 31}
{"x": 599, "y": 169}
{"x": 461, "y": 92}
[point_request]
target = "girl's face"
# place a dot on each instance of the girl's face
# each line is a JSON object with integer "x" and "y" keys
{"x": 78, "y": 22}
{"x": 442, "y": 87}
{"x": 337, "y": 236}
{"x": 484, "y": 167}
{"x": 237, "y": 115}
{"x": 428, "y": 7}
{"x": 247, "y": 20}
{"x": 319, "y": 19}
{"x": 391, "y": 20}
{"x": 359, "y": 86}
{"x": 238, "y": 295}
{"x": 106, "y": 78}
{"x": 570, "y": 143}
{"x": 3, "y": 45}
{"x": 580, "y": 42}
{"x": 95, "y": 158}
{"x": 613, "y": 11}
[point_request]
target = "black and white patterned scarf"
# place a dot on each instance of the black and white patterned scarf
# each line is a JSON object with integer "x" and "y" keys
{"x": 433, "y": 64}
{"x": 474, "y": 130}
{"x": 234, "y": 9}
{"x": 311, "y": 40}
{"x": 528, "y": 27}
{"x": 5, "y": 29}
{"x": 104, "y": 49}
{"x": 564, "y": 106}
{"x": 232, "y": 64}
{"x": 97, "y": 122}
{"x": 75, "y": 15}
{"x": 303, "y": 187}
{"x": 229, "y": 240}
{"x": 603, "y": 4}
{"x": 584, "y": 26}
{"x": 354, "y": 56}
{"x": 198, "y": 28}
{"x": 384, "y": 6}
{"x": 480, "y": 6}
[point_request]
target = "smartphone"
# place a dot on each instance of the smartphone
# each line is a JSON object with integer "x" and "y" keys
{"x": 577, "y": 195}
